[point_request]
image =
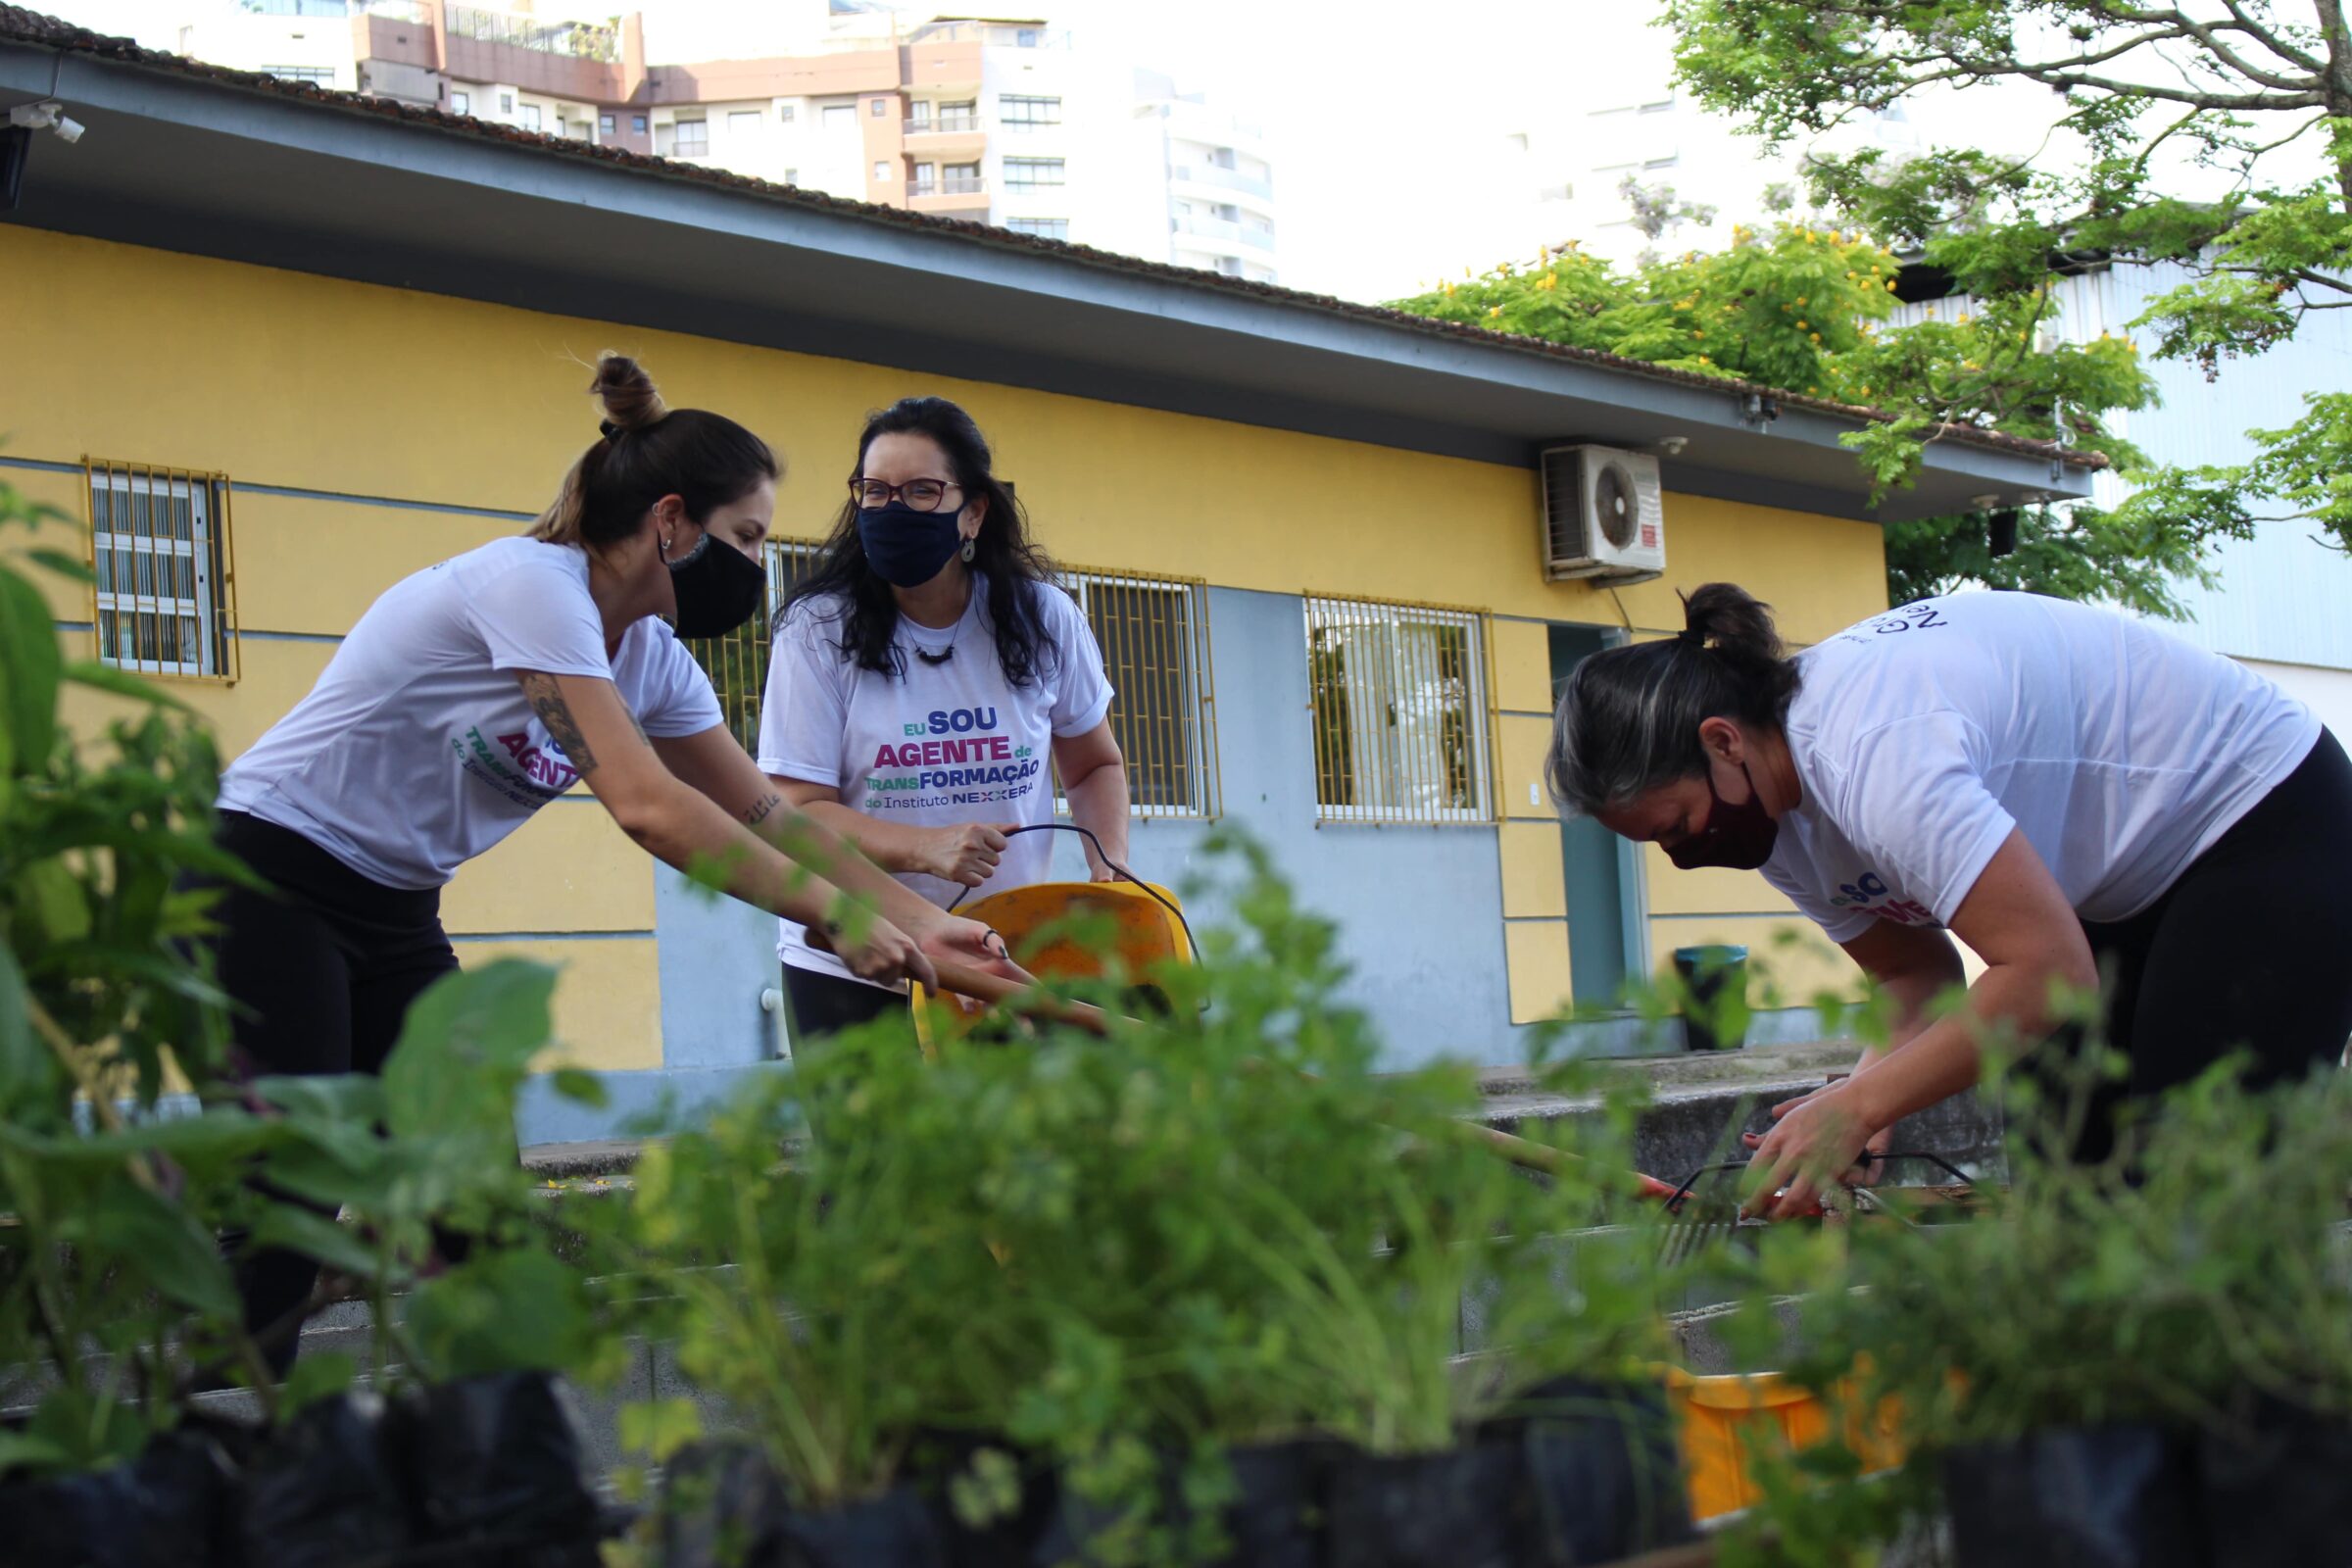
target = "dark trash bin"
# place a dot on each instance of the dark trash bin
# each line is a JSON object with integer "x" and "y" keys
{"x": 1714, "y": 996}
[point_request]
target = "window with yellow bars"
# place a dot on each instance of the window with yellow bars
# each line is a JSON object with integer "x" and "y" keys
{"x": 1153, "y": 632}
{"x": 737, "y": 662}
{"x": 162, "y": 596}
{"x": 1397, "y": 698}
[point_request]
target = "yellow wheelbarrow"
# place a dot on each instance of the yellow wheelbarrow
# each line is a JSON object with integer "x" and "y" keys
{"x": 1132, "y": 927}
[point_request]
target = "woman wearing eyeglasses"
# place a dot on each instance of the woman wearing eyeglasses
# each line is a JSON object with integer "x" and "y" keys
{"x": 928, "y": 685}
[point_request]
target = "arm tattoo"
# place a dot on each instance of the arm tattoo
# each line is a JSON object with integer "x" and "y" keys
{"x": 547, "y": 701}
{"x": 760, "y": 812}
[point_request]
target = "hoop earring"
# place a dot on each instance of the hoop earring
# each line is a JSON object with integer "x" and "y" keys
{"x": 968, "y": 551}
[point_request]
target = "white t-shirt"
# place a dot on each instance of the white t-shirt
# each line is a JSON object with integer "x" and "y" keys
{"x": 417, "y": 749}
{"x": 1923, "y": 736}
{"x": 940, "y": 745}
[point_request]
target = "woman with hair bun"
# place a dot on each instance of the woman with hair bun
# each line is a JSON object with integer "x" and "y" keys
{"x": 2074, "y": 794}
{"x": 474, "y": 692}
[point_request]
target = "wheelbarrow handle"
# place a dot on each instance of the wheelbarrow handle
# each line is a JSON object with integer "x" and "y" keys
{"x": 997, "y": 991}
{"x": 1548, "y": 1160}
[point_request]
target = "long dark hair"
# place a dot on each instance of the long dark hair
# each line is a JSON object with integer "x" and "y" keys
{"x": 1629, "y": 719}
{"x": 1015, "y": 568}
{"x": 648, "y": 451}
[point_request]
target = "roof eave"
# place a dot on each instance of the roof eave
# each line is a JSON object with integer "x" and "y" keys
{"x": 325, "y": 184}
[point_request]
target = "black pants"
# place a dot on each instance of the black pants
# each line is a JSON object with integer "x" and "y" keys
{"x": 2250, "y": 949}
{"x": 323, "y": 971}
{"x": 828, "y": 1003}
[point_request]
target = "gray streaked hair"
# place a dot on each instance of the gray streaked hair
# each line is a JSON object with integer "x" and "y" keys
{"x": 1627, "y": 720}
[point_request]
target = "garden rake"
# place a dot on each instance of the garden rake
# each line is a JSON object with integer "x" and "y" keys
{"x": 1698, "y": 1221}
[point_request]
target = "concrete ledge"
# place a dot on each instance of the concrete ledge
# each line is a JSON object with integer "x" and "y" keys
{"x": 1699, "y": 1105}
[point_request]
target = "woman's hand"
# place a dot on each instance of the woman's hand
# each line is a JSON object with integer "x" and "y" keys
{"x": 952, "y": 940}
{"x": 1816, "y": 1144}
{"x": 884, "y": 956}
{"x": 967, "y": 854}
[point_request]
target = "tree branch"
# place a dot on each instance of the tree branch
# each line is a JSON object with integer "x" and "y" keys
{"x": 2260, "y": 102}
{"x": 2271, "y": 41}
{"x": 2311, "y": 275}
{"x": 2205, "y": 35}
{"x": 2012, "y": 65}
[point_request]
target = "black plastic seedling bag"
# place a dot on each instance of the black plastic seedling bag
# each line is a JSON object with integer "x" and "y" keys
{"x": 495, "y": 1467}
{"x": 2114, "y": 1496}
{"x": 719, "y": 1506}
{"x": 2276, "y": 1488}
{"x": 725, "y": 1508}
{"x": 325, "y": 1491}
{"x": 892, "y": 1531}
{"x": 174, "y": 1504}
{"x": 943, "y": 1463}
{"x": 1274, "y": 1520}
{"x": 1468, "y": 1507}
{"x": 1602, "y": 1468}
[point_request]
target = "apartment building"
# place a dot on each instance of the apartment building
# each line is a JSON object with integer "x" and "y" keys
{"x": 994, "y": 120}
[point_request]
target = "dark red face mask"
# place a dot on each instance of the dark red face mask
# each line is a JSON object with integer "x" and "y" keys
{"x": 1738, "y": 838}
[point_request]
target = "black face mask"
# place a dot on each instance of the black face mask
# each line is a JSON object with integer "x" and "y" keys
{"x": 907, "y": 548}
{"x": 1738, "y": 838}
{"x": 718, "y": 588}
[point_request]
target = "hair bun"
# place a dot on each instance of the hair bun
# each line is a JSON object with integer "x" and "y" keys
{"x": 628, "y": 395}
{"x": 1734, "y": 619}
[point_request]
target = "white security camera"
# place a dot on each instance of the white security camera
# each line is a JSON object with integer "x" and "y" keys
{"x": 49, "y": 115}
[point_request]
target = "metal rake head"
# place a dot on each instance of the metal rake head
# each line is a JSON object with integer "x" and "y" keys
{"x": 1696, "y": 1223}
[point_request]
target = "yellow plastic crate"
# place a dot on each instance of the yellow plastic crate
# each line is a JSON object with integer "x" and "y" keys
{"x": 1727, "y": 1421}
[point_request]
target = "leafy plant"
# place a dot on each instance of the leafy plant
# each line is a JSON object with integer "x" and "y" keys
{"x": 115, "y": 1288}
{"x": 100, "y": 1000}
{"x": 2160, "y": 1286}
{"x": 1219, "y": 1226}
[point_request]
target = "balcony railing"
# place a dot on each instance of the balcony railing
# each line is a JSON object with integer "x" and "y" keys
{"x": 576, "y": 39}
{"x": 944, "y": 125}
{"x": 953, "y": 185}
{"x": 1226, "y": 229}
{"x": 1223, "y": 179}
{"x": 996, "y": 35}
{"x": 398, "y": 10}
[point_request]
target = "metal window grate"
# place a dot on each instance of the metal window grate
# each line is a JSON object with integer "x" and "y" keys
{"x": 163, "y": 599}
{"x": 1397, "y": 694}
{"x": 1153, "y": 632}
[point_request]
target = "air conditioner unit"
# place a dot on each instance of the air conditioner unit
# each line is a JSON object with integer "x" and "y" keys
{"x": 1605, "y": 515}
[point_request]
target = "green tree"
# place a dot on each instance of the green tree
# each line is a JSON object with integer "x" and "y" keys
{"x": 2218, "y": 136}
{"x": 1800, "y": 306}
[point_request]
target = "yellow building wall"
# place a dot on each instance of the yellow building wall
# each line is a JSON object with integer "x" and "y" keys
{"x": 289, "y": 381}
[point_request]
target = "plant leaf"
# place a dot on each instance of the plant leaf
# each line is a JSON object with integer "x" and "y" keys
{"x": 166, "y": 1247}
{"x": 318, "y": 1376}
{"x": 464, "y": 1048}
{"x": 660, "y": 1428}
{"x": 581, "y": 1087}
{"x": 30, "y": 655}
{"x": 315, "y": 1235}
